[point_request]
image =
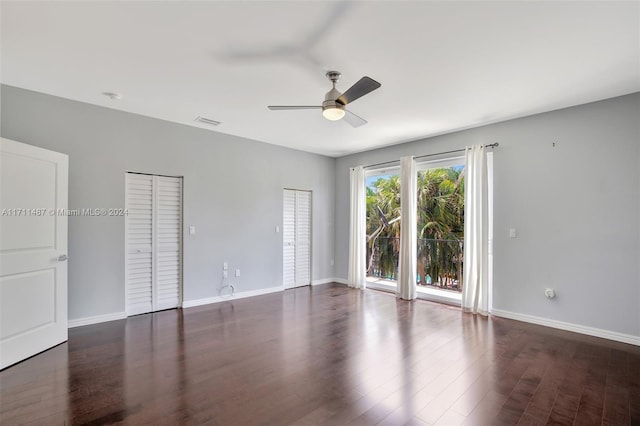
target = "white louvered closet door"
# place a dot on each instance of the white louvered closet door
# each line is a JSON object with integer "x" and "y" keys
{"x": 296, "y": 235}
{"x": 303, "y": 238}
{"x": 168, "y": 225}
{"x": 289, "y": 239}
{"x": 154, "y": 246}
{"x": 139, "y": 222}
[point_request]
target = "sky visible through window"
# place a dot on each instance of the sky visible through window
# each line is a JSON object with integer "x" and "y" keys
{"x": 371, "y": 180}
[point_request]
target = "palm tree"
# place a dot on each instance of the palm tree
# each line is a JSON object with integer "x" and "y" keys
{"x": 383, "y": 236}
{"x": 440, "y": 223}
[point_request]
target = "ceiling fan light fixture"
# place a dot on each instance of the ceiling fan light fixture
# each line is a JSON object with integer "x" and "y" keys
{"x": 333, "y": 113}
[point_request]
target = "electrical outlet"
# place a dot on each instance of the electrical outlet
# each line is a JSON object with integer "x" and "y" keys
{"x": 225, "y": 266}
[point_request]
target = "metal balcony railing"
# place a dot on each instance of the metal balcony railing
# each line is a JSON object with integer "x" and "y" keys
{"x": 439, "y": 262}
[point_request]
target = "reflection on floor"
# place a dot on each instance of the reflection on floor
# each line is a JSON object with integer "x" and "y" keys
{"x": 326, "y": 355}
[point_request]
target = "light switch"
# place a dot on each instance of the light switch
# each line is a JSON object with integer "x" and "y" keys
{"x": 237, "y": 272}
{"x": 192, "y": 230}
{"x": 513, "y": 233}
{"x": 277, "y": 228}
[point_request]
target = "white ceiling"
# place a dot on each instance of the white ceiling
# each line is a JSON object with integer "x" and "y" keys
{"x": 443, "y": 66}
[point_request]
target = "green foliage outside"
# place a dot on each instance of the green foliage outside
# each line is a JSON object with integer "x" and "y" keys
{"x": 440, "y": 219}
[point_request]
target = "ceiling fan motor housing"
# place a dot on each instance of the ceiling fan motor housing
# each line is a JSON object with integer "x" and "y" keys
{"x": 330, "y": 100}
{"x": 332, "y": 109}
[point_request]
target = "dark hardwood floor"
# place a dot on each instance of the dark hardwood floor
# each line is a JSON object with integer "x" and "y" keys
{"x": 326, "y": 355}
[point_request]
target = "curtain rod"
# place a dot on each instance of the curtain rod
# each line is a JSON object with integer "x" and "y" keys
{"x": 491, "y": 145}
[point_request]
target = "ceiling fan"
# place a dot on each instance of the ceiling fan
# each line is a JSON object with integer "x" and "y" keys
{"x": 333, "y": 107}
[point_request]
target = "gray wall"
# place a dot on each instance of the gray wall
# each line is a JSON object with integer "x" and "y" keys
{"x": 232, "y": 195}
{"x": 576, "y": 207}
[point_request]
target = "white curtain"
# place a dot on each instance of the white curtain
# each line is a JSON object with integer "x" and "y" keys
{"x": 357, "y": 231}
{"x": 475, "y": 292}
{"x": 408, "y": 232}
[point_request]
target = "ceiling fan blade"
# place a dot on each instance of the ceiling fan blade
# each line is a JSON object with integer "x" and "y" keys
{"x": 353, "y": 119}
{"x": 288, "y": 107}
{"x": 362, "y": 87}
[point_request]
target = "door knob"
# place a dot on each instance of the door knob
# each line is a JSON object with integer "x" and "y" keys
{"x": 63, "y": 257}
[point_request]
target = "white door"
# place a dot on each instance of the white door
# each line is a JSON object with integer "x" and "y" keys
{"x": 303, "y": 238}
{"x": 167, "y": 237}
{"x": 33, "y": 250}
{"x": 296, "y": 234}
{"x": 154, "y": 243}
{"x": 139, "y": 230}
{"x": 289, "y": 239}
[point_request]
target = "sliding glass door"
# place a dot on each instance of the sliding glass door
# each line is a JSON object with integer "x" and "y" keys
{"x": 440, "y": 224}
{"x": 440, "y": 227}
{"x": 383, "y": 226}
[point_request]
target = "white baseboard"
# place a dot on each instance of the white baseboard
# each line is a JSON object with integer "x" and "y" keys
{"x": 340, "y": 281}
{"x": 324, "y": 281}
{"x": 576, "y": 328}
{"x": 241, "y": 295}
{"x": 96, "y": 319}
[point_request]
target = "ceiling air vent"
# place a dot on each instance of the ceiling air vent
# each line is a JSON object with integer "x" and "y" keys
{"x": 207, "y": 121}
